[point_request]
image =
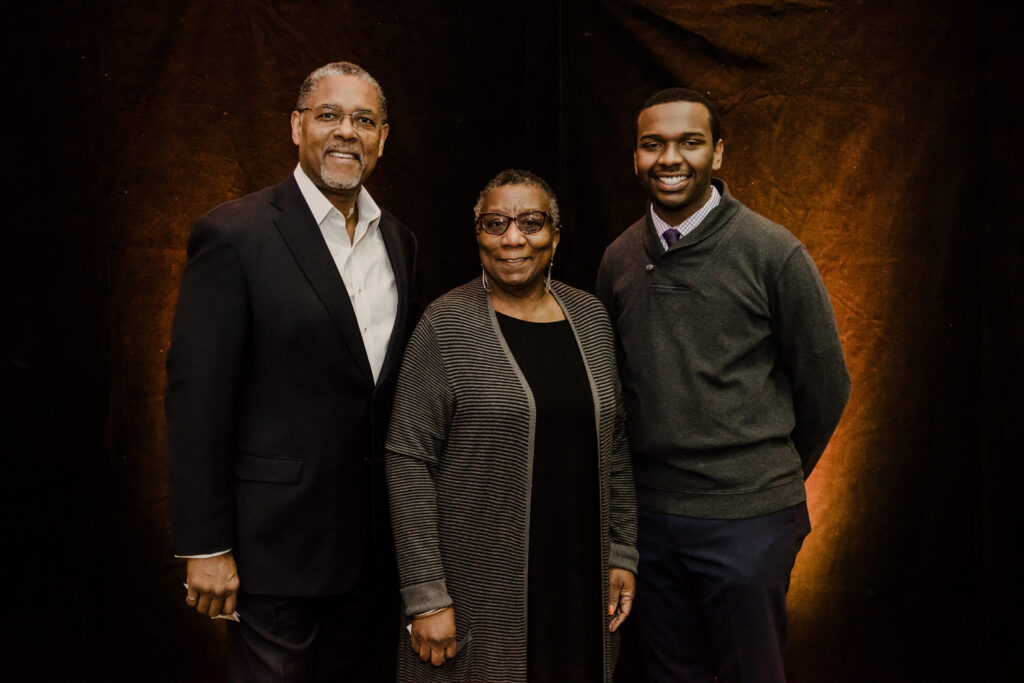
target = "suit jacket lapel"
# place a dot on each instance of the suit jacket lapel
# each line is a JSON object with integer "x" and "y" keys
{"x": 399, "y": 258}
{"x": 306, "y": 242}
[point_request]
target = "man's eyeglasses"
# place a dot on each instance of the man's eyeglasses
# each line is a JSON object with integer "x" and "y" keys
{"x": 528, "y": 222}
{"x": 329, "y": 116}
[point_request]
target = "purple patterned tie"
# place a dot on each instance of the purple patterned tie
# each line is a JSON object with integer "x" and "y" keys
{"x": 671, "y": 236}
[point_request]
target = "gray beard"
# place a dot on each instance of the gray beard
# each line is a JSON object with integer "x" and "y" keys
{"x": 342, "y": 184}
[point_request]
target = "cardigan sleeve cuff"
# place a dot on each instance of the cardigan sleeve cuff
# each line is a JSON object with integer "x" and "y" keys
{"x": 424, "y": 597}
{"x": 624, "y": 557}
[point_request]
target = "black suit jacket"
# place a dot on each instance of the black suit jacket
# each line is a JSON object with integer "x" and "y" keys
{"x": 275, "y": 427}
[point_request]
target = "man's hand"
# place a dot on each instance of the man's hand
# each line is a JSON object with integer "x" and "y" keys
{"x": 212, "y": 584}
{"x": 433, "y": 637}
{"x": 621, "y": 589}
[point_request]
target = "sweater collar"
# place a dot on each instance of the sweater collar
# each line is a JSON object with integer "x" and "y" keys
{"x": 711, "y": 224}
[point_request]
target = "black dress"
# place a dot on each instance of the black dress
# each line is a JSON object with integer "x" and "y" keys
{"x": 564, "y": 620}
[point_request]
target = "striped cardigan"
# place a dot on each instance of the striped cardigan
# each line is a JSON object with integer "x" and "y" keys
{"x": 459, "y": 467}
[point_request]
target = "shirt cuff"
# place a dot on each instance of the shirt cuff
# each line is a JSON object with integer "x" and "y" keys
{"x": 203, "y": 557}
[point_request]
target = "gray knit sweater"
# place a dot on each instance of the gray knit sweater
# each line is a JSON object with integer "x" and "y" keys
{"x": 460, "y": 463}
{"x": 732, "y": 370}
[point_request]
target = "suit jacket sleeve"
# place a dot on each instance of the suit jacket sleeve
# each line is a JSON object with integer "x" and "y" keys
{"x": 203, "y": 366}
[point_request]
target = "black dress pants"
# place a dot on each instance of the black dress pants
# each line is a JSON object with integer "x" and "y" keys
{"x": 350, "y": 637}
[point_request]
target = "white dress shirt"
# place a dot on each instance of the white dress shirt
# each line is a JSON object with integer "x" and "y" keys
{"x": 363, "y": 263}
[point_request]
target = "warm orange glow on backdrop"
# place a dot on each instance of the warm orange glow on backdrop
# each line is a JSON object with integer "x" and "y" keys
{"x": 882, "y": 134}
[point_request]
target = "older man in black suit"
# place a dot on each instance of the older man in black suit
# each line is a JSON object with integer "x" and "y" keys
{"x": 293, "y": 311}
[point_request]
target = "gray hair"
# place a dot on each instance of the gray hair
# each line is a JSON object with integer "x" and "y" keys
{"x": 512, "y": 176}
{"x": 340, "y": 69}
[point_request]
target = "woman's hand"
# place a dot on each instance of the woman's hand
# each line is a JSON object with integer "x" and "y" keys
{"x": 433, "y": 637}
{"x": 621, "y": 589}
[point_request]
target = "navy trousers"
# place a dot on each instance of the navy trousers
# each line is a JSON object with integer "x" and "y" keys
{"x": 711, "y": 599}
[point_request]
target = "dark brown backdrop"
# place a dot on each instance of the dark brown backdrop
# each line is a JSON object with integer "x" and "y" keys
{"x": 884, "y": 134}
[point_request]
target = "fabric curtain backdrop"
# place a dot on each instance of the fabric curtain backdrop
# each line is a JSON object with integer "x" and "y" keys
{"x": 882, "y": 134}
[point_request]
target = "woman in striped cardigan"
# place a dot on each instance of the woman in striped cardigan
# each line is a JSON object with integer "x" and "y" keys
{"x": 511, "y": 490}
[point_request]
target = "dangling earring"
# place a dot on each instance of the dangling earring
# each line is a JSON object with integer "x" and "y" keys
{"x": 547, "y": 280}
{"x": 483, "y": 279}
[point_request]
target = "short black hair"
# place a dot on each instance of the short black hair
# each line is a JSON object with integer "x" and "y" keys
{"x": 685, "y": 95}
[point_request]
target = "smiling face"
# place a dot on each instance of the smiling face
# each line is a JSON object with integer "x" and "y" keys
{"x": 514, "y": 262}
{"x": 675, "y": 157}
{"x": 336, "y": 155}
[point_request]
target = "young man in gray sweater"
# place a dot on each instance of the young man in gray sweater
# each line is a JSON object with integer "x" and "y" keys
{"x": 734, "y": 381}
